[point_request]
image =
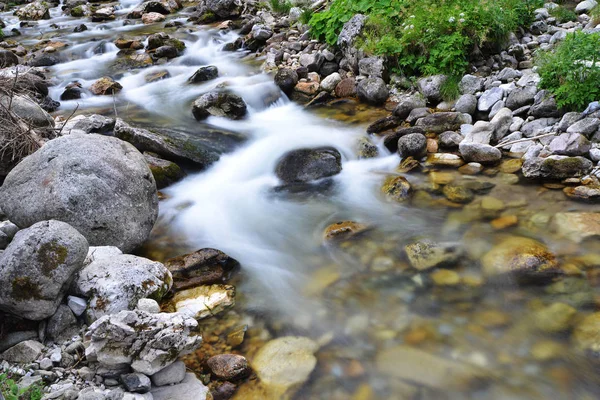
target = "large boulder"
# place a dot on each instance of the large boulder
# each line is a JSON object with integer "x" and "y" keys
{"x": 34, "y": 11}
{"x": 26, "y": 109}
{"x": 347, "y": 39}
{"x": 305, "y": 165}
{"x": 116, "y": 283}
{"x": 147, "y": 342}
{"x": 443, "y": 121}
{"x": 431, "y": 87}
{"x": 372, "y": 91}
{"x": 100, "y": 185}
{"x": 224, "y": 8}
{"x": 219, "y": 104}
{"x": 286, "y": 79}
{"x": 37, "y": 268}
{"x": 556, "y": 167}
{"x": 191, "y": 388}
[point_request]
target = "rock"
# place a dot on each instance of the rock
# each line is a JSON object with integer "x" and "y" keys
{"x": 537, "y": 126}
{"x": 219, "y": 104}
{"x": 443, "y": 121}
{"x": 520, "y": 97}
{"x": 205, "y": 266}
{"x": 450, "y": 139}
{"x": 585, "y": 6}
{"x": 372, "y": 91}
{"x": 77, "y": 305}
{"x": 8, "y": 59}
{"x": 412, "y": 145}
{"x": 570, "y": 144}
{"x": 136, "y": 382}
{"x": 224, "y": 9}
{"x": 445, "y": 160}
{"x": 106, "y": 189}
{"x": 38, "y": 267}
{"x": 312, "y": 61}
{"x": 384, "y": 124}
{"x": 152, "y": 18}
{"x": 27, "y": 109}
{"x": 557, "y": 317}
{"x": 489, "y": 98}
{"x": 331, "y": 81}
{"x": 519, "y": 256}
{"x": 23, "y": 353}
{"x": 470, "y": 84}
{"x": 346, "y": 41}
{"x": 105, "y": 86}
{"x": 190, "y": 389}
{"x": 501, "y": 123}
{"x": 165, "y": 172}
{"x": 10, "y": 339}
{"x": 427, "y": 369}
{"x": 577, "y": 226}
{"x": 62, "y": 326}
{"x": 307, "y": 88}
{"x": 261, "y": 32}
{"x": 583, "y": 193}
{"x": 284, "y": 364}
{"x": 148, "y": 305}
{"x": 118, "y": 283}
{"x": 397, "y": 188}
{"x": 586, "y": 335}
{"x": 408, "y": 103}
{"x": 286, "y": 79}
{"x": 431, "y": 87}
{"x": 586, "y": 126}
{"x": 458, "y": 193}
{"x": 372, "y": 67}
{"x": 33, "y": 11}
{"x": 228, "y": 366}
{"x": 225, "y": 391}
{"x": 204, "y": 74}
{"x": 148, "y": 342}
{"x": 169, "y": 375}
{"x": 8, "y": 229}
{"x": 166, "y": 52}
{"x": 346, "y": 88}
{"x": 204, "y": 301}
{"x": 556, "y": 167}
{"x": 103, "y": 14}
{"x": 426, "y": 254}
{"x": 343, "y": 230}
{"x": 73, "y": 91}
{"x": 305, "y": 165}
{"x": 544, "y": 106}
{"x": 467, "y": 103}
{"x": 481, "y": 153}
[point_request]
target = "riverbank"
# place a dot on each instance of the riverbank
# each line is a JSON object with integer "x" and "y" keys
{"x": 373, "y": 232}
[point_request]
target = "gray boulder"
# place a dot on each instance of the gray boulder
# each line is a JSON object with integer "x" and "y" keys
{"x": 94, "y": 123}
{"x": 100, "y": 185}
{"x": 586, "y": 126}
{"x": 479, "y": 152}
{"x": 305, "y": 165}
{"x": 347, "y": 38}
{"x": 62, "y": 326}
{"x": 23, "y": 353}
{"x": 489, "y": 98}
{"x": 412, "y": 145}
{"x": 224, "y": 8}
{"x": 544, "y": 106}
{"x": 219, "y": 104}
{"x": 471, "y": 84}
{"x": 34, "y": 11}
{"x": 570, "y": 144}
{"x": 191, "y": 388}
{"x": 204, "y": 74}
{"x": 286, "y": 79}
{"x": 467, "y": 103}
{"x": 172, "y": 374}
{"x": 450, "y": 139}
{"x": 8, "y": 59}
{"x": 372, "y": 91}
{"x": 520, "y": 97}
{"x": 117, "y": 283}
{"x": 408, "y": 103}
{"x": 37, "y": 268}
{"x": 28, "y": 110}
{"x": 555, "y": 167}
{"x": 431, "y": 87}
{"x": 443, "y": 121}
{"x": 373, "y": 67}
{"x": 312, "y": 61}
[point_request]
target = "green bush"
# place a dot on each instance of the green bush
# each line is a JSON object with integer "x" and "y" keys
{"x": 571, "y": 71}
{"x": 281, "y": 6}
{"x": 10, "y": 390}
{"x": 563, "y": 14}
{"x": 427, "y": 37}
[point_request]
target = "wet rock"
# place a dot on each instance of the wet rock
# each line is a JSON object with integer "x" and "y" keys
{"x": 583, "y": 193}
{"x": 445, "y": 277}
{"x": 372, "y": 91}
{"x": 62, "y": 326}
{"x": 106, "y": 189}
{"x": 169, "y": 375}
{"x": 443, "y": 121}
{"x": 431, "y": 88}
{"x": 219, "y": 104}
{"x": 228, "y": 366}
{"x": 191, "y": 388}
{"x": 489, "y": 98}
{"x": 412, "y": 145}
{"x": 521, "y": 257}
{"x": 27, "y": 109}
{"x": 586, "y": 335}
{"x": 73, "y": 91}
{"x": 286, "y": 79}
{"x": 204, "y": 301}
{"x": 467, "y": 103}
{"x": 307, "y": 88}
{"x": 556, "y": 167}
{"x": 366, "y": 149}
{"x": 204, "y": 74}
{"x": 557, "y": 317}
{"x": 162, "y": 39}
{"x": 23, "y": 353}
{"x": 450, "y": 139}
{"x": 157, "y": 76}
{"x": 397, "y": 188}
{"x": 37, "y": 268}
{"x": 130, "y": 59}
{"x": 284, "y": 364}
{"x": 343, "y": 230}
{"x": 119, "y": 282}
{"x": 103, "y": 14}
{"x": 224, "y": 8}
{"x": 166, "y": 52}
{"x": 305, "y": 165}
{"x": 147, "y": 342}
{"x": 225, "y": 391}
{"x": 152, "y": 18}
{"x": 458, "y": 193}
{"x": 577, "y": 226}
{"x": 426, "y": 254}
{"x": 105, "y": 86}
{"x": 384, "y": 124}
{"x": 165, "y": 172}
{"x": 445, "y": 160}
{"x": 346, "y": 88}
{"x": 33, "y": 11}
{"x": 8, "y": 59}
{"x": 408, "y": 103}
{"x": 136, "y": 382}
{"x": 570, "y": 144}
{"x": 205, "y": 266}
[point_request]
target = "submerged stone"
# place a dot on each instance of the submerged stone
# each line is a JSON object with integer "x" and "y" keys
{"x": 204, "y": 301}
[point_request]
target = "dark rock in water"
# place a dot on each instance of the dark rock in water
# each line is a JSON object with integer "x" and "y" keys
{"x": 162, "y": 39}
{"x": 203, "y": 147}
{"x": 105, "y": 86}
{"x": 397, "y": 188}
{"x": 229, "y": 366}
{"x": 224, "y": 391}
{"x": 372, "y": 91}
{"x": 286, "y": 79}
{"x": 8, "y": 59}
{"x": 73, "y": 91}
{"x": 157, "y": 76}
{"x": 204, "y": 74}
{"x": 384, "y": 124}
{"x": 166, "y": 51}
{"x": 556, "y": 167}
{"x": 305, "y": 165}
{"x": 391, "y": 141}
{"x": 219, "y": 104}
{"x": 39, "y": 265}
{"x": 100, "y": 185}
{"x": 49, "y": 105}
{"x": 233, "y": 46}
{"x": 43, "y": 60}
{"x": 165, "y": 172}
{"x": 224, "y": 8}
{"x": 202, "y": 267}
{"x": 412, "y": 145}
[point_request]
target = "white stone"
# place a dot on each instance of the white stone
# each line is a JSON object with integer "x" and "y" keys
{"x": 77, "y": 305}
{"x": 148, "y": 305}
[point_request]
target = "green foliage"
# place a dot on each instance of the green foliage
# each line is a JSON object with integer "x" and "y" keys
{"x": 11, "y": 391}
{"x": 281, "y": 6}
{"x": 595, "y": 14}
{"x": 306, "y": 16}
{"x": 563, "y": 14}
{"x": 572, "y": 70}
{"x": 450, "y": 89}
{"x": 427, "y": 37}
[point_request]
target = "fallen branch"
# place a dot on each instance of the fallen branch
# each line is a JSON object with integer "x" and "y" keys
{"x": 525, "y": 140}
{"x": 67, "y": 120}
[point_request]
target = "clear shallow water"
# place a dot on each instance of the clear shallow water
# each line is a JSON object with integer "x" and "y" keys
{"x": 360, "y": 294}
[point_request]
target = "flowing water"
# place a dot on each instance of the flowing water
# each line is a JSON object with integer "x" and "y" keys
{"x": 358, "y": 297}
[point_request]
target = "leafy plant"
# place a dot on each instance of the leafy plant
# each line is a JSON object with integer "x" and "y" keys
{"x": 306, "y": 16}
{"x": 572, "y": 70}
{"x": 563, "y": 14}
{"x": 281, "y": 6}
{"x": 11, "y": 391}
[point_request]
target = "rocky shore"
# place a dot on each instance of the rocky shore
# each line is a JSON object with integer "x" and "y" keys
{"x": 84, "y": 317}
